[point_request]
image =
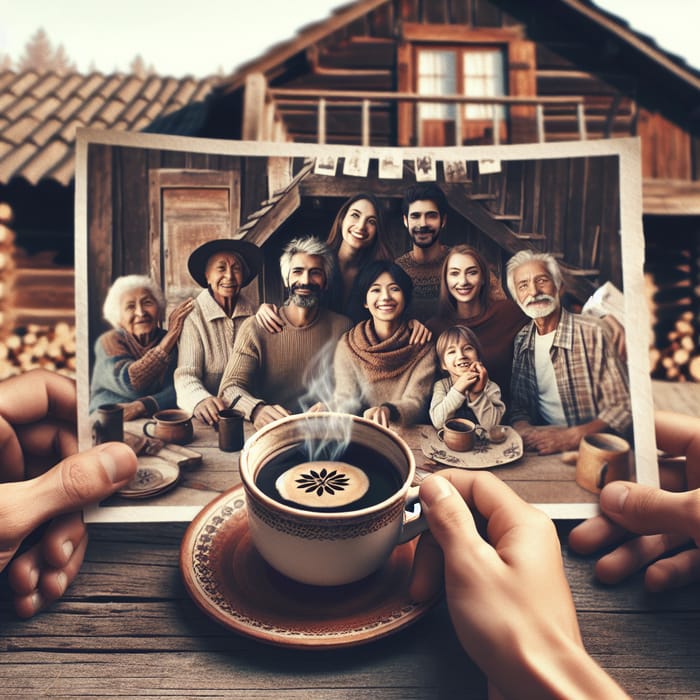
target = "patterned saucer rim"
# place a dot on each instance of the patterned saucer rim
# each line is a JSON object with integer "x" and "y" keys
{"x": 223, "y": 522}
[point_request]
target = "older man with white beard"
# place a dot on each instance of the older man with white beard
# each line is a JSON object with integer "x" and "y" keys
{"x": 568, "y": 378}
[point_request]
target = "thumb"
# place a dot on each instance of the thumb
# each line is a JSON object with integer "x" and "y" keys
{"x": 77, "y": 481}
{"x": 450, "y": 520}
{"x": 646, "y": 510}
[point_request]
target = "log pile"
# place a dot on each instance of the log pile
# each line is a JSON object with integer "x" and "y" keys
{"x": 7, "y": 270}
{"x": 35, "y": 346}
{"x": 678, "y": 360}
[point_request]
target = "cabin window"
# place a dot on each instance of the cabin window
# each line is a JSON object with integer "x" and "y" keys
{"x": 471, "y": 71}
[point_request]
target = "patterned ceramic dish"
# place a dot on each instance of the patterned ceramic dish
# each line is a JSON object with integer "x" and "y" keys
{"x": 230, "y": 582}
{"x": 484, "y": 455}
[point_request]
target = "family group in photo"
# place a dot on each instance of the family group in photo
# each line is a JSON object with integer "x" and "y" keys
{"x": 426, "y": 337}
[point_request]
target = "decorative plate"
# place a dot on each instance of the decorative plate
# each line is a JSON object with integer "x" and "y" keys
{"x": 154, "y": 476}
{"x": 231, "y": 583}
{"x": 484, "y": 455}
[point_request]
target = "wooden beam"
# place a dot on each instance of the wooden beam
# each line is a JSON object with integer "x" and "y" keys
{"x": 458, "y": 34}
{"x": 280, "y": 53}
{"x": 274, "y": 217}
{"x": 675, "y": 197}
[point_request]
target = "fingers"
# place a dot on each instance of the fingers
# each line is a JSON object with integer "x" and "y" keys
{"x": 74, "y": 483}
{"x": 634, "y": 555}
{"x": 647, "y": 510}
{"x": 451, "y": 523}
{"x": 426, "y": 575}
{"x": 43, "y": 573}
{"x": 37, "y": 394}
{"x": 595, "y": 534}
{"x": 207, "y": 410}
{"x": 673, "y": 572}
{"x": 679, "y": 435}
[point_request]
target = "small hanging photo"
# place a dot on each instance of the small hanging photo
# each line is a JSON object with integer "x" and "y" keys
{"x": 390, "y": 166}
{"x": 325, "y": 165}
{"x": 455, "y": 171}
{"x": 489, "y": 165}
{"x": 357, "y": 164}
{"x": 426, "y": 168}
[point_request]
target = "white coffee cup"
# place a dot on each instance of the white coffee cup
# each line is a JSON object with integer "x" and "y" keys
{"x": 317, "y": 546}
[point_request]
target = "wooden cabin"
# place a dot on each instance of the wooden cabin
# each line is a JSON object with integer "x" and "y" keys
{"x": 474, "y": 72}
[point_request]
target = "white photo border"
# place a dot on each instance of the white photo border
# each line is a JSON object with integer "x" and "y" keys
{"x": 637, "y": 317}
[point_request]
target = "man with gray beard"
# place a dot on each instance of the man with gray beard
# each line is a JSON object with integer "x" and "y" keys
{"x": 568, "y": 379}
{"x": 265, "y": 377}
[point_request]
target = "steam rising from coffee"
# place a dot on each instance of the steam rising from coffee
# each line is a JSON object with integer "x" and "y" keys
{"x": 332, "y": 440}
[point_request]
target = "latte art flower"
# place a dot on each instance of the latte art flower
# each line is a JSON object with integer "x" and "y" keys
{"x": 323, "y": 481}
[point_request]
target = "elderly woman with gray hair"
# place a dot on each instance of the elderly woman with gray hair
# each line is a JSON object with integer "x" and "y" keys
{"x": 135, "y": 361}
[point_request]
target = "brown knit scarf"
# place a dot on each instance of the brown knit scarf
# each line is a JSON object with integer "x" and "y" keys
{"x": 384, "y": 359}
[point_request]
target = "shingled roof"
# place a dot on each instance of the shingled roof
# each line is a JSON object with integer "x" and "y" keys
{"x": 40, "y": 112}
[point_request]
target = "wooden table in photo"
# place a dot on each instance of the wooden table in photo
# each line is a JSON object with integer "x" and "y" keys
{"x": 127, "y": 628}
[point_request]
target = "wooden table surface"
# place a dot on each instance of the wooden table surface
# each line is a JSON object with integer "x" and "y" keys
{"x": 127, "y": 628}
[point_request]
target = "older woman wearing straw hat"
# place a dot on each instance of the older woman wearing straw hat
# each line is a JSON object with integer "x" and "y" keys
{"x": 223, "y": 267}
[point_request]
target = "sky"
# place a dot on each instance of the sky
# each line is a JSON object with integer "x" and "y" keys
{"x": 205, "y": 37}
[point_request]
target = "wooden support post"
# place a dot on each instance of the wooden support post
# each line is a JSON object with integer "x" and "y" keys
{"x": 365, "y": 122}
{"x": 540, "y": 123}
{"x": 322, "y": 120}
{"x": 581, "y": 118}
{"x": 496, "y": 125}
{"x": 254, "y": 107}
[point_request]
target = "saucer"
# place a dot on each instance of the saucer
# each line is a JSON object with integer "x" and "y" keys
{"x": 231, "y": 583}
{"x": 154, "y": 476}
{"x": 485, "y": 454}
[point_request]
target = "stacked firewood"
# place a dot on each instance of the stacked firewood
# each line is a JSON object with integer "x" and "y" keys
{"x": 26, "y": 348}
{"x": 34, "y": 346}
{"x": 7, "y": 270}
{"x": 677, "y": 359}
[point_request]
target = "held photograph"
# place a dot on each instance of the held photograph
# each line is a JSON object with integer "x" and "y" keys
{"x": 272, "y": 313}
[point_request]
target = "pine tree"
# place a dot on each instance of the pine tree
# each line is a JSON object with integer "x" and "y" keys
{"x": 40, "y": 56}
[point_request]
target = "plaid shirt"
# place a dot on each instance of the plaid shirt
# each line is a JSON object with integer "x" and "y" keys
{"x": 591, "y": 378}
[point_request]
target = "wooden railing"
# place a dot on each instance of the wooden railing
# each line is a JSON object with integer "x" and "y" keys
{"x": 263, "y": 121}
{"x": 364, "y": 100}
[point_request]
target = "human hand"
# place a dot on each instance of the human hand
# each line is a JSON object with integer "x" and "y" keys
{"x": 269, "y": 318}
{"x": 266, "y": 413}
{"x": 378, "y": 414}
{"x": 420, "y": 334}
{"x": 318, "y": 407}
{"x": 507, "y": 594}
{"x": 178, "y": 315}
{"x": 37, "y": 427}
{"x": 481, "y": 377}
{"x": 207, "y": 410}
{"x": 550, "y": 439}
{"x": 664, "y": 519}
{"x": 133, "y": 410}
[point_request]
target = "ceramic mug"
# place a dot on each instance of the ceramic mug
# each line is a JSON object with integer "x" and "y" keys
{"x": 108, "y": 425}
{"x": 313, "y": 523}
{"x": 230, "y": 429}
{"x": 171, "y": 425}
{"x": 459, "y": 434}
{"x": 602, "y": 458}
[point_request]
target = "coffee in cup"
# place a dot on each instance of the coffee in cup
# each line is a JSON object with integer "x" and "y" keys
{"x": 459, "y": 434}
{"x": 324, "y": 510}
{"x": 602, "y": 458}
{"x": 171, "y": 425}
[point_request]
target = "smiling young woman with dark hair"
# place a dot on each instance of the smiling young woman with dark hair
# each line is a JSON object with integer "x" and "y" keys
{"x": 378, "y": 372}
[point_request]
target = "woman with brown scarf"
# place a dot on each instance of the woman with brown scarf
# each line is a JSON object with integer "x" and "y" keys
{"x": 134, "y": 362}
{"x": 377, "y": 370}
